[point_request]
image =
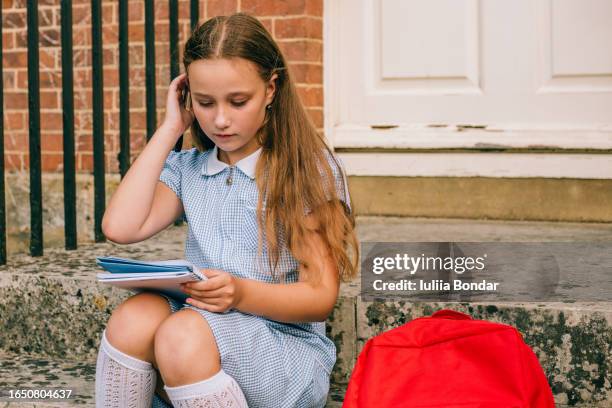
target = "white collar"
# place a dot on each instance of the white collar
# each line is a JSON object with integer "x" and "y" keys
{"x": 247, "y": 164}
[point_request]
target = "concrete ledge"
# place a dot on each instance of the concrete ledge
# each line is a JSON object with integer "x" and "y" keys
{"x": 18, "y": 208}
{"x": 61, "y": 315}
{"x": 18, "y": 371}
{"x": 51, "y": 308}
{"x": 483, "y": 198}
{"x": 451, "y": 197}
{"x": 39, "y": 296}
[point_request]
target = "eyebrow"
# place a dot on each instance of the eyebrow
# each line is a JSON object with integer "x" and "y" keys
{"x": 230, "y": 94}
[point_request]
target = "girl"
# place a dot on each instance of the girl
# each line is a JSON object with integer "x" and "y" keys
{"x": 269, "y": 220}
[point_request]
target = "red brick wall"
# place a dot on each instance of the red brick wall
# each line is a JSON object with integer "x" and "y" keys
{"x": 295, "y": 24}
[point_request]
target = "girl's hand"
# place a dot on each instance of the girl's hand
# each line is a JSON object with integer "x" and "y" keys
{"x": 177, "y": 119}
{"x": 219, "y": 293}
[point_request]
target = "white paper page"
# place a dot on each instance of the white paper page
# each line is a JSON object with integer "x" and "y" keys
{"x": 141, "y": 276}
{"x": 150, "y": 283}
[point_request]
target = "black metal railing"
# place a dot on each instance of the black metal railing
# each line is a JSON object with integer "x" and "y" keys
{"x": 70, "y": 223}
{"x": 2, "y": 193}
{"x": 70, "y": 228}
{"x": 36, "y": 226}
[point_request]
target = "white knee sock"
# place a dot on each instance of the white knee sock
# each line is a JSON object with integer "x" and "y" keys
{"x": 218, "y": 391}
{"x": 122, "y": 381}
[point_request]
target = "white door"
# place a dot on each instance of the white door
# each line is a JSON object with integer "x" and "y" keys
{"x": 475, "y": 75}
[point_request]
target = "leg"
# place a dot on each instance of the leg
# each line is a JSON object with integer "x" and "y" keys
{"x": 132, "y": 326}
{"x": 160, "y": 390}
{"x": 179, "y": 339}
{"x": 125, "y": 376}
{"x": 189, "y": 362}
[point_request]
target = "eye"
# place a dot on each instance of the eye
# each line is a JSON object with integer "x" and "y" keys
{"x": 239, "y": 103}
{"x": 205, "y": 104}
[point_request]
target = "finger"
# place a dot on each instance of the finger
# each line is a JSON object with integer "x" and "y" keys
{"x": 197, "y": 303}
{"x": 206, "y": 294}
{"x": 211, "y": 307}
{"x": 208, "y": 302}
{"x": 213, "y": 283}
{"x": 202, "y": 288}
{"x": 196, "y": 286}
{"x": 178, "y": 81}
{"x": 211, "y": 273}
{"x": 182, "y": 80}
{"x": 180, "y": 77}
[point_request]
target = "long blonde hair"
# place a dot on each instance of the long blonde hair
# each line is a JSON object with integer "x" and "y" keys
{"x": 293, "y": 174}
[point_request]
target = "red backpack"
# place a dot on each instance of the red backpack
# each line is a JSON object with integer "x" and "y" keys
{"x": 448, "y": 360}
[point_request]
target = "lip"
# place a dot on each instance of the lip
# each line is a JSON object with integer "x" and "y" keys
{"x": 223, "y": 135}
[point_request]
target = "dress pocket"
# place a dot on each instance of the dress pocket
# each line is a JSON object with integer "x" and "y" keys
{"x": 249, "y": 227}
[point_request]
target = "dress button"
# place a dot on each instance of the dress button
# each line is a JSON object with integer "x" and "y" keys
{"x": 229, "y": 179}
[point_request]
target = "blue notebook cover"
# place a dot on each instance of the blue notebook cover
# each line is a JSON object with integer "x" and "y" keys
{"x": 159, "y": 276}
{"x": 121, "y": 265}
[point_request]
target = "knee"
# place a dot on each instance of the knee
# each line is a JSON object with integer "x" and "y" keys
{"x": 134, "y": 322}
{"x": 183, "y": 337}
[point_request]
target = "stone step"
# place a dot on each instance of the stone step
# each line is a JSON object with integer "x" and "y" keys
{"x": 52, "y": 307}
{"x": 25, "y": 372}
{"x": 63, "y": 316}
{"x": 18, "y": 371}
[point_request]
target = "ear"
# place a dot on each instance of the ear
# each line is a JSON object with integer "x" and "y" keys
{"x": 271, "y": 89}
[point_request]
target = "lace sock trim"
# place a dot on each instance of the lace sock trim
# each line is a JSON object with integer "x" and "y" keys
{"x": 218, "y": 391}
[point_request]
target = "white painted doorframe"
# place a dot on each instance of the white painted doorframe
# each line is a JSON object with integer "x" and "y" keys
{"x": 346, "y": 56}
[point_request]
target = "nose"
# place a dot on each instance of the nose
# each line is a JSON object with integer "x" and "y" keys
{"x": 221, "y": 118}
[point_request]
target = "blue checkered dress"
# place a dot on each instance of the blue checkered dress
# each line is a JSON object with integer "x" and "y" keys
{"x": 276, "y": 364}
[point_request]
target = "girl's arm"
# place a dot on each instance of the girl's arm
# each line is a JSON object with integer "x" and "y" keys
{"x": 142, "y": 205}
{"x": 304, "y": 301}
{"x": 141, "y": 195}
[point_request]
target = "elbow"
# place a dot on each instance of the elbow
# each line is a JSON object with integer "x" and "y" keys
{"x": 325, "y": 297}
{"x": 327, "y": 308}
{"x": 326, "y": 313}
{"x": 320, "y": 316}
{"x": 112, "y": 236}
{"x": 112, "y": 233}
{"x": 117, "y": 240}
{"x": 106, "y": 229}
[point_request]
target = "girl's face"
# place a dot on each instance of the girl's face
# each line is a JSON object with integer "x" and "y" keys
{"x": 229, "y": 102}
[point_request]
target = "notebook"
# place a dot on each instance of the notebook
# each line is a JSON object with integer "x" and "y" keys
{"x": 159, "y": 276}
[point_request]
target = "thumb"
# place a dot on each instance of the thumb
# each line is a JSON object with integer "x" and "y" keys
{"x": 210, "y": 273}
